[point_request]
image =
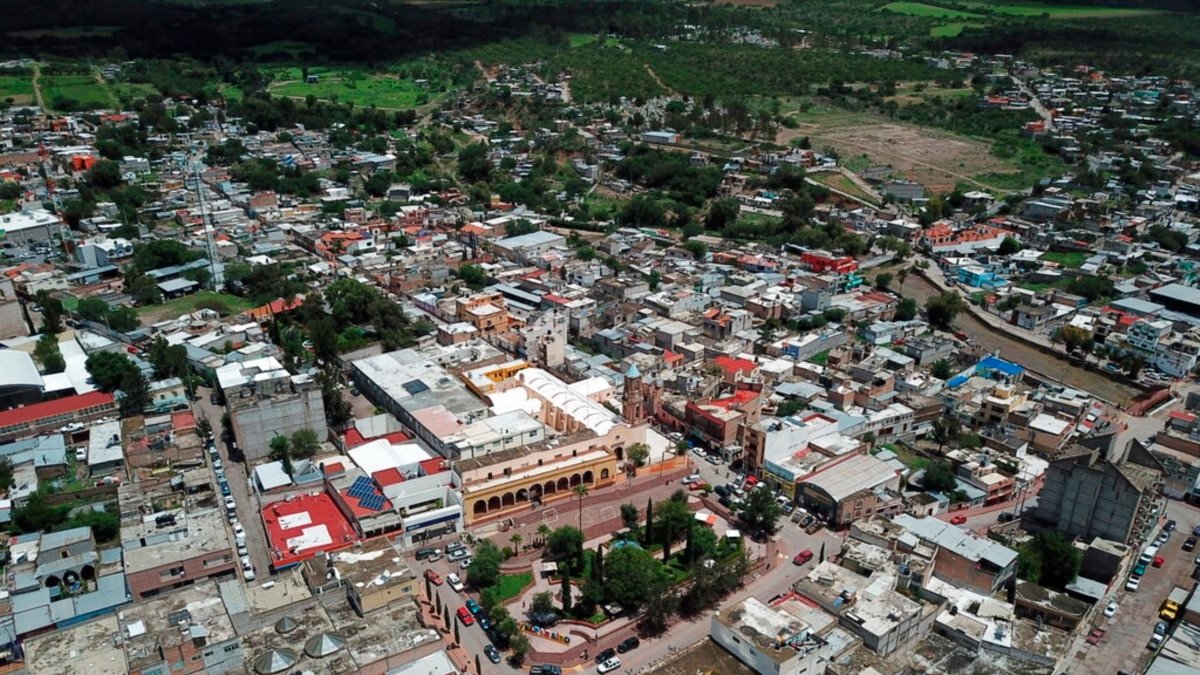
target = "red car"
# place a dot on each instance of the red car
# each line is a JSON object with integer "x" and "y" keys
{"x": 1158, "y": 561}
{"x": 958, "y": 520}
{"x": 802, "y": 557}
{"x": 433, "y": 577}
{"x": 697, "y": 485}
{"x": 464, "y": 615}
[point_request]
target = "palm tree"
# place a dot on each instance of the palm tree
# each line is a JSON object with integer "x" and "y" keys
{"x": 543, "y": 532}
{"x": 582, "y": 491}
{"x": 516, "y": 541}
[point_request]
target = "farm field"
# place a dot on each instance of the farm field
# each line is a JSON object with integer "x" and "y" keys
{"x": 67, "y": 33}
{"x": 922, "y": 9}
{"x": 75, "y": 91}
{"x": 351, "y": 86}
{"x": 913, "y": 92}
{"x": 1063, "y": 11}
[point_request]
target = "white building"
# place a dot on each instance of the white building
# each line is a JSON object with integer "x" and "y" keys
{"x": 771, "y": 639}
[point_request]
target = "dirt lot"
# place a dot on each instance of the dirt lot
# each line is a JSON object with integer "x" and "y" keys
{"x": 936, "y": 159}
{"x": 707, "y": 658}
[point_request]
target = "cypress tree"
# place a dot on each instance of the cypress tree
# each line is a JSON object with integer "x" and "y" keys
{"x": 646, "y": 538}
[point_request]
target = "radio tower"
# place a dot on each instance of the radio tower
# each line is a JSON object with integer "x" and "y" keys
{"x": 217, "y": 269}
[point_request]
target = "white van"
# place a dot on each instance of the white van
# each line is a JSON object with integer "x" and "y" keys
{"x": 1148, "y": 555}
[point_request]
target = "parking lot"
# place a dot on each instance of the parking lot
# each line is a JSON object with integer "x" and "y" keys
{"x": 1124, "y": 645}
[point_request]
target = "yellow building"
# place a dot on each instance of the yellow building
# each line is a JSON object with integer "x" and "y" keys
{"x": 496, "y": 377}
{"x": 487, "y": 312}
{"x": 1003, "y": 401}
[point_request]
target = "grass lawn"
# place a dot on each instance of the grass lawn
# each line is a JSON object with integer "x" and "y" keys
{"x": 1065, "y": 11}
{"x": 909, "y": 459}
{"x": 509, "y": 585}
{"x": 351, "y": 85}
{"x": 1040, "y": 287}
{"x": 1072, "y": 259}
{"x": 839, "y": 182}
{"x": 75, "y": 92}
{"x": 922, "y": 9}
{"x": 17, "y": 87}
{"x": 581, "y": 39}
{"x": 189, "y": 303}
{"x": 947, "y": 30}
{"x": 819, "y": 358}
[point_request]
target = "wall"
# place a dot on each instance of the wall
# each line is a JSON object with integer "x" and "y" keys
{"x": 749, "y": 654}
{"x": 257, "y": 424}
{"x": 1089, "y": 502}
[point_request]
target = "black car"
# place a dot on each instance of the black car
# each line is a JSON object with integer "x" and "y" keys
{"x": 1007, "y": 516}
{"x": 423, "y": 553}
{"x": 605, "y": 655}
{"x": 1189, "y": 544}
{"x": 628, "y": 645}
{"x": 492, "y": 653}
{"x": 1170, "y": 526}
{"x": 722, "y": 491}
{"x": 545, "y": 669}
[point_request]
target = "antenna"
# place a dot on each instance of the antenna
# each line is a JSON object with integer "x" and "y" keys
{"x": 217, "y": 269}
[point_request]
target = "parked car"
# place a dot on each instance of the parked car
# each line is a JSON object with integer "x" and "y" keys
{"x": 465, "y": 616}
{"x": 1007, "y": 516}
{"x": 247, "y": 568}
{"x": 1132, "y": 584}
{"x": 423, "y": 553}
{"x": 1197, "y": 560}
{"x": 473, "y": 606}
{"x": 1139, "y": 569}
{"x": 688, "y": 480}
{"x": 433, "y": 577}
{"x": 711, "y": 459}
{"x": 605, "y": 655}
{"x": 698, "y": 485}
{"x": 1155, "y": 641}
{"x": 1170, "y": 526}
{"x": 722, "y": 491}
{"x": 455, "y": 583}
{"x": 958, "y": 520}
{"x": 788, "y": 508}
{"x": 458, "y": 554}
{"x": 1189, "y": 543}
{"x": 803, "y": 557}
{"x": 454, "y": 546}
{"x": 1158, "y": 561}
{"x": 628, "y": 644}
{"x": 1196, "y": 531}
{"x": 492, "y": 653}
{"x": 1111, "y": 610}
{"x": 1160, "y": 628}
{"x": 545, "y": 669}
{"x": 609, "y": 665}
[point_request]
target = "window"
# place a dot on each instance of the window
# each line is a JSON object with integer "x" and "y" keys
{"x": 231, "y": 648}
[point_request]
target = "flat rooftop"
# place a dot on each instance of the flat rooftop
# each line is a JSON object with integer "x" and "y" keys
{"x": 170, "y": 620}
{"x": 299, "y": 527}
{"x": 194, "y": 533}
{"x": 88, "y": 648}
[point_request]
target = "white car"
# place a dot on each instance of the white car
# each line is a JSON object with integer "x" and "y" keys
{"x": 609, "y": 665}
{"x": 455, "y": 583}
{"x": 1132, "y": 584}
{"x": 688, "y": 480}
{"x": 238, "y": 530}
{"x": 465, "y": 563}
{"x": 247, "y": 568}
{"x": 229, "y": 503}
{"x": 1111, "y": 610}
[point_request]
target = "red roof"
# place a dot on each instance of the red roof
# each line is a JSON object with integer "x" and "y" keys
{"x": 182, "y": 421}
{"x": 730, "y": 364}
{"x": 739, "y": 398}
{"x": 1182, "y": 415}
{"x": 333, "y": 468}
{"x": 388, "y": 476}
{"x": 353, "y": 438}
{"x": 321, "y": 512}
{"x": 59, "y": 406}
{"x": 433, "y": 466}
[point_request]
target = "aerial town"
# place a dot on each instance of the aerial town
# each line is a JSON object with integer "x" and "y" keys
{"x": 539, "y": 382}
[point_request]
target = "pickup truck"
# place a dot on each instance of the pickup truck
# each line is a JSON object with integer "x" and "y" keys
{"x": 1170, "y": 606}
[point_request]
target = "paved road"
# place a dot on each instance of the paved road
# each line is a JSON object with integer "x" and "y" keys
{"x": 1127, "y": 633}
{"x": 473, "y": 639}
{"x": 239, "y": 487}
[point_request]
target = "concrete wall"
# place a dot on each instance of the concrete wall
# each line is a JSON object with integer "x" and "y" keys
{"x": 255, "y": 425}
{"x": 1088, "y": 501}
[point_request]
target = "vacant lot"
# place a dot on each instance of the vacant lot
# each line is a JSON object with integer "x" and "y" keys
{"x": 936, "y": 159}
{"x": 17, "y": 87}
{"x": 76, "y": 91}
{"x": 352, "y": 86}
{"x": 222, "y": 302}
{"x": 707, "y": 657}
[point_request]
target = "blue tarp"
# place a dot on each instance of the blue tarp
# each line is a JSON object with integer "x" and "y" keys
{"x": 957, "y": 381}
{"x": 996, "y": 364}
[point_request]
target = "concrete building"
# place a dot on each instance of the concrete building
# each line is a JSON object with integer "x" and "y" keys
{"x": 371, "y": 578}
{"x": 189, "y": 633}
{"x": 20, "y": 382}
{"x": 770, "y": 639}
{"x": 172, "y": 549}
{"x": 857, "y": 487}
{"x": 1085, "y": 495}
{"x": 961, "y": 557}
{"x": 265, "y": 400}
{"x": 27, "y": 227}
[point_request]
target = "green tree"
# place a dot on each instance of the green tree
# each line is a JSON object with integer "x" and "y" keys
{"x": 123, "y": 319}
{"x": 565, "y": 542}
{"x": 760, "y": 512}
{"x": 47, "y": 353}
{"x": 38, "y": 515}
{"x": 906, "y": 310}
{"x": 698, "y": 249}
{"x": 543, "y": 603}
{"x": 942, "y": 369}
{"x": 648, "y": 532}
{"x": 721, "y": 213}
{"x": 631, "y": 573}
{"x": 1009, "y": 246}
{"x": 337, "y": 409}
{"x": 92, "y": 309}
{"x": 168, "y": 360}
{"x": 672, "y": 520}
{"x": 941, "y": 309}
{"x": 281, "y": 451}
{"x": 105, "y": 174}
{"x": 484, "y": 569}
{"x": 638, "y": 453}
{"x": 945, "y": 429}
{"x": 939, "y": 477}
{"x": 1057, "y": 559}
{"x": 6, "y": 473}
{"x": 1075, "y": 338}
{"x": 629, "y": 516}
{"x": 52, "y": 311}
{"x": 324, "y": 337}
{"x": 305, "y": 443}
{"x": 883, "y": 281}
{"x": 109, "y": 369}
{"x": 473, "y": 276}
{"x": 565, "y": 592}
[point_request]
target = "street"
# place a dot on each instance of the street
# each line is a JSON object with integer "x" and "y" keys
{"x": 1127, "y": 633}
